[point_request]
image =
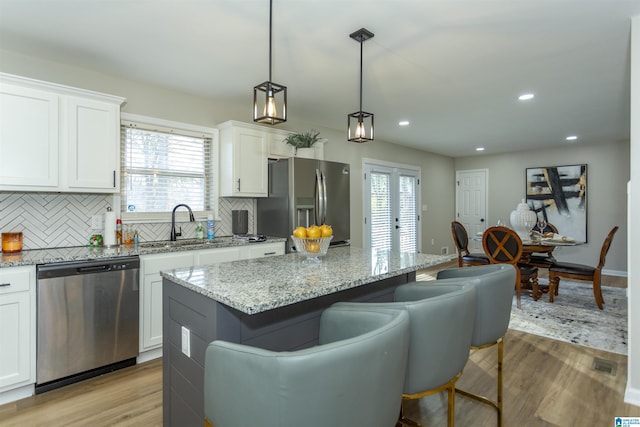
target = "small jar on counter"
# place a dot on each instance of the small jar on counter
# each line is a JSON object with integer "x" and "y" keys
{"x": 11, "y": 242}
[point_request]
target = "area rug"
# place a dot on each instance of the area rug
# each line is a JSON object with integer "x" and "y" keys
{"x": 574, "y": 316}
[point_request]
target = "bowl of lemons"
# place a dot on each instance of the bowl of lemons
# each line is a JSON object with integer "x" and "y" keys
{"x": 312, "y": 242}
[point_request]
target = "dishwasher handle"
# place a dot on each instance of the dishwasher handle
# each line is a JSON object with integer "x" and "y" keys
{"x": 94, "y": 269}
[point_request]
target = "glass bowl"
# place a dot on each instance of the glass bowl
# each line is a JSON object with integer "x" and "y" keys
{"x": 312, "y": 248}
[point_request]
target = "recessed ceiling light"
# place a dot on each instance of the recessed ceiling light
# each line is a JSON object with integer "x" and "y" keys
{"x": 479, "y": 148}
{"x": 571, "y": 138}
{"x": 526, "y": 96}
{"x": 403, "y": 123}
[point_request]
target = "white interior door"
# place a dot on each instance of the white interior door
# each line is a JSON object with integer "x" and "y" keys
{"x": 391, "y": 208}
{"x": 471, "y": 203}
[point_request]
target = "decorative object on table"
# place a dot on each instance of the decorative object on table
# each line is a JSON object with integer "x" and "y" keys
{"x": 461, "y": 240}
{"x": 269, "y": 98}
{"x": 12, "y": 242}
{"x": 303, "y": 142}
{"x": 581, "y": 272}
{"x": 361, "y": 128}
{"x": 543, "y": 259}
{"x": 503, "y": 246}
{"x": 523, "y": 219}
{"x": 558, "y": 194}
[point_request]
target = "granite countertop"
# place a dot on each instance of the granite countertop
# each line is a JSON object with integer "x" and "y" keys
{"x": 257, "y": 285}
{"x": 84, "y": 253}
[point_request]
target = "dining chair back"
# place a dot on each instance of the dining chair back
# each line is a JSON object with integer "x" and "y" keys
{"x": 582, "y": 272}
{"x": 543, "y": 259}
{"x": 502, "y": 245}
{"x": 461, "y": 240}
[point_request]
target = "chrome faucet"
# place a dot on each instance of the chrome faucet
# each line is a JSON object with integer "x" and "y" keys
{"x": 175, "y": 234}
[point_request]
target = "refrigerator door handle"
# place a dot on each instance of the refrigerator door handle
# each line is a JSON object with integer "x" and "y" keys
{"x": 319, "y": 199}
{"x": 324, "y": 201}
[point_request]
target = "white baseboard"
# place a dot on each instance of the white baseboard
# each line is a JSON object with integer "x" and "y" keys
{"x": 17, "y": 394}
{"x": 617, "y": 273}
{"x": 145, "y": 356}
{"x": 632, "y": 396}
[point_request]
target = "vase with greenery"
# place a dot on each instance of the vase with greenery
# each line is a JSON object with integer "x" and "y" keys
{"x": 303, "y": 139}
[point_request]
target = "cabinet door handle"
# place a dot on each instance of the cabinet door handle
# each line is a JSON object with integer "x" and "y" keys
{"x": 238, "y": 184}
{"x": 5, "y": 284}
{"x": 269, "y": 253}
{"x": 114, "y": 179}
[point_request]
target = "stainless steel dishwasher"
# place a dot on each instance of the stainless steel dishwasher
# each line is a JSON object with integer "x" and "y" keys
{"x": 87, "y": 319}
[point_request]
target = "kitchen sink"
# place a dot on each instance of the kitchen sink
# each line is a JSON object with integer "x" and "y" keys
{"x": 176, "y": 244}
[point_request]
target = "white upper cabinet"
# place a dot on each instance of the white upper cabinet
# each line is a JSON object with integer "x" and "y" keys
{"x": 94, "y": 146}
{"x": 243, "y": 160}
{"x": 58, "y": 138}
{"x": 29, "y": 137}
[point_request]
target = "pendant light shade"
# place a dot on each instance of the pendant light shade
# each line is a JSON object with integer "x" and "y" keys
{"x": 269, "y": 98}
{"x": 360, "y": 123}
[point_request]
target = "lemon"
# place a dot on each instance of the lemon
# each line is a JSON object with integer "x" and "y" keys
{"x": 300, "y": 233}
{"x": 312, "y": 247}
{"x": 314, "y": 232}
{"x": 326, "y": 230}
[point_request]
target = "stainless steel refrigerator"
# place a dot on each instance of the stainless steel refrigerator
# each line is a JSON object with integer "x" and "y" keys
{"x": 303, "y": 192}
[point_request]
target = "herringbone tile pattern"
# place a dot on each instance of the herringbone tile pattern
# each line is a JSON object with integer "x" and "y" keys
{"x": 50, "y": 220}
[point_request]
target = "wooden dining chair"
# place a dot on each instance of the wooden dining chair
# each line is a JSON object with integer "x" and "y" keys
{"x": 543, "y": 259}
{"x": 461, "y": 240}
{"x": 581, "y": 272}
{"x": 502, "y": 245}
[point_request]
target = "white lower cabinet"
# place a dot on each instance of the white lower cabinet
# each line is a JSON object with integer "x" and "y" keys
{"x": 211, "y": 256}
{"x": 262, "y": 250}
{"x": 151, "y": 294}
{"x": 18, "y": 328}
{"x": 151, "y": 290}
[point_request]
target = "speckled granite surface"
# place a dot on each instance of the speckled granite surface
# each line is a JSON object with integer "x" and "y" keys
{"x": 83, "y": 253}
{"x": 257, "y": 285}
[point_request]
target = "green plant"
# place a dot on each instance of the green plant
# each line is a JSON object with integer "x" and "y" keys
{"x": 303, "y": 139}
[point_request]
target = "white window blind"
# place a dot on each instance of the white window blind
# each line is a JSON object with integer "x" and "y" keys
{"x": 163, "y": 167}
{"x": 381, "y": 211}
{"x": 408, "y": 213}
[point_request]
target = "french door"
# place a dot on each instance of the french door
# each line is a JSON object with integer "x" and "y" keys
{"x": 391, "y": 201}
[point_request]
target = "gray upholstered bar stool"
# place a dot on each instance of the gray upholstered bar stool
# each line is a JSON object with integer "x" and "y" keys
{"x": 441, "y": 328}
{"x": 353, "y": 377}
{"x": 494, "y": 284}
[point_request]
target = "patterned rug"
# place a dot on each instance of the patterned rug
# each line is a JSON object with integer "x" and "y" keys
{"x": 574, "y": 316}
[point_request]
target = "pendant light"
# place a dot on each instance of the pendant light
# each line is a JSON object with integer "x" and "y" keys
{"x": 270, "y": 99}
{"x": 360, "y": 123}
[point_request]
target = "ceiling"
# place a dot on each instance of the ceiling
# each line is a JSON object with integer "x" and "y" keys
{"x": 453, "y": 68}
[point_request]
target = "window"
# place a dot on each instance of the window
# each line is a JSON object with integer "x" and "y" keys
{"x": 164, "y": 164}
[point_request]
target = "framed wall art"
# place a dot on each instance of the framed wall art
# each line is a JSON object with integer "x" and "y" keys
{"x": 559, "y": 195}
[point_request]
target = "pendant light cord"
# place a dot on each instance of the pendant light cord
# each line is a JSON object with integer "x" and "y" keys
{"x": 270, "y": 19}
{"x": 361, "y": 74}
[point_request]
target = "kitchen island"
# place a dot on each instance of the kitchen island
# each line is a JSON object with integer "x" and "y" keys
{"x": 273, "y": 303}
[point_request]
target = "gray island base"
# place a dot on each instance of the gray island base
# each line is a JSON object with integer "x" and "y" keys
{"x": 273, "y": 303}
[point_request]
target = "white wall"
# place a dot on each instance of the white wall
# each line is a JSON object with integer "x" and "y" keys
{"x": 633, "y": 379}
{"x": 607, "y": 177}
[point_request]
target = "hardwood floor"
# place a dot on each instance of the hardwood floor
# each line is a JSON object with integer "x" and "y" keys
{"x": 546, "y": 383}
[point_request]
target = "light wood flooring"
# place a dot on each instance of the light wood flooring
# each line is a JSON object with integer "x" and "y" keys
{"x": 546, "y": 383}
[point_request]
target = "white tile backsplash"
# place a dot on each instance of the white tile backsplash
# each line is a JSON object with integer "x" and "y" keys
{"x": 50, "y": 220}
